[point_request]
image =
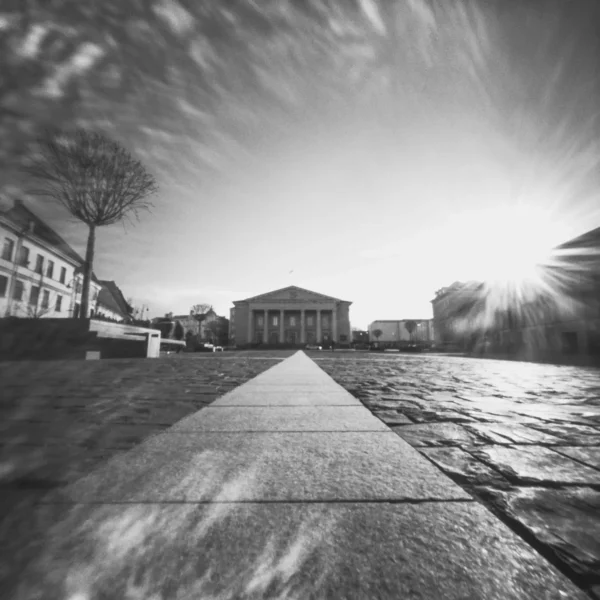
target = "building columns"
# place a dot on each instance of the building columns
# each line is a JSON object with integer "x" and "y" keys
{"x": 302, "y": 327}
{"x": 266, "y": 327}
{"x": 334, "y": 324}
{"x": 281, "y": 329}
{"x": 250, "y": 340}
{"x": 319, "y": 340}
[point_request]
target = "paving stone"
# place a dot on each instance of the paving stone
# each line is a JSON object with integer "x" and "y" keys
{"x": 572, "y": 434}
{"x": 535, "y": 464}
{"x": 566, "y": 520}
{"x": 501, "y": 433}
{"x": 287, "y": 397}
{"x": 387, "y": 404}
{"x": 254, "y": 551}
{"x": 586, "y": 454}
{"x": 391, "y": 417}
{"x": 266, "y": 466}
{"x": 464, "y": 468}
{"x": 278, "y": 418}
{"x": 438, "y": 434}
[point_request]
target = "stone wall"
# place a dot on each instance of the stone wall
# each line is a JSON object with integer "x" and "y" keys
{"x": 59, "y": 339}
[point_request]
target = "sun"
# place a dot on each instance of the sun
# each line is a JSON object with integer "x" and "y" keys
{"x": 507, "y": 245}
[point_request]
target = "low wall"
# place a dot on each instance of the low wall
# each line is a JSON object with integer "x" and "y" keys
{"x": 59, "y": 339}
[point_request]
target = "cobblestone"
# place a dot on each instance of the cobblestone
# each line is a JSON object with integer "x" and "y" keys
{"x": 60, "y": 419}
{"x": 523, "y": 438}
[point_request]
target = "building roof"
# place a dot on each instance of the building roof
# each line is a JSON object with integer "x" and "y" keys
{"x": 292, "y": 292}
{"x": 111, "y": 297}
{"x": 458, "y": 286}
{"x": 585, "y": 240}
{"x": 399, "y": 320}
{"x": 25, "y": 219}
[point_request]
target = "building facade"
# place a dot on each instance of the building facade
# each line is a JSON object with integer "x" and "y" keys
{"x": 397, "y": 333}
{"x": 40, "y": 274}
{"x": 291, "y": 316}
{"x": 457, "y": 312}
{"x": 111, "y": 303}
{"x": 560, "y": 322}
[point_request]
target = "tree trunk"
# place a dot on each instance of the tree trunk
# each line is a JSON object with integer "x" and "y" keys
{"x": 87, "y": 273}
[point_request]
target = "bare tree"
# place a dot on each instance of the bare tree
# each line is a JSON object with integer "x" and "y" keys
{"x": 377, "y": 333}
{"x": 96, "y": 180}
{"x": 200, "y": 309}
{"x": 36, "y": 312}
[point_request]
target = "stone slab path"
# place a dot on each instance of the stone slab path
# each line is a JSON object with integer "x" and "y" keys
{"x": 286, "y": 487}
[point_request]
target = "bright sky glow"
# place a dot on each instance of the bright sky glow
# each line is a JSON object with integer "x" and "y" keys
{"x": 375, "y": 154}
{"x": 506, "y": 244}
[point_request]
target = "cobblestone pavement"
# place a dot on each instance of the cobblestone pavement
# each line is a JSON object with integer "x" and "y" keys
{"x": 60, "y": 419}
{"x": 523, "y": 438}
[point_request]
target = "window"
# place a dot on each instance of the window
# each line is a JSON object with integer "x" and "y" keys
{"x": 275, "y": 321}
{"x": 34, "y": 295}
{"x": 24, "y": 256}
{"x": 325, "y": 321}
{"x": 3, "y": 285}
{"x": 45, "y": 299}
{"x": 39, "y": 264}
{"x": 259, "y": 321}
{"x": 343, "y": 338}
{"x": 309, "y": 321}
{"x": 58, "y": 306}
{"x": 7, "y": 249}
{"x": 292, "y": 321}
{"x": 18, "y": 291}
{"x": 63, "y": 274}
{"x": 50, "y": 269}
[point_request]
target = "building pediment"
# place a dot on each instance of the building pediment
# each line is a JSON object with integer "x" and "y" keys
{"x": 292, "y": 293}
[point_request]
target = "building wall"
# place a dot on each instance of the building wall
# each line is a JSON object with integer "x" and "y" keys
{"x": 343, "y": 324}
{"x": 11, "y": 272}
{"x": 104, "y": 311}
{"x": 232, "y": 326}
{"x": 241, "y": 325}
{"x": 453, "y": 319}
{"x": 292, "y": 306}
{"x": 394, "y": 331}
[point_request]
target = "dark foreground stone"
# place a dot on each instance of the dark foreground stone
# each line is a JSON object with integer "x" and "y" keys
{"x": 446, "y": 551}
{"x": 566, "y": 520}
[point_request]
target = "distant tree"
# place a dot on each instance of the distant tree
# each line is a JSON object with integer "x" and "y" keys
{"x": 410, "y": 326}
{"x": 217, "y": 331}
{"x": 377, "y": 333}
{"x": 200, "y": 309}
{"x": 96, "y": 180}
{"x": 179, "y": 331}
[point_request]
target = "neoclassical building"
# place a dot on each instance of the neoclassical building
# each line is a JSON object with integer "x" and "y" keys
{"x": 291, "y": 316}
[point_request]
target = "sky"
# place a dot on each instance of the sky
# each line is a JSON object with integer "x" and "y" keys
{"x": 372, "y": 151}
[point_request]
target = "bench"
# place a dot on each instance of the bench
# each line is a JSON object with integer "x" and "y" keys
{"x": 168, "y": 345}
{"x": 112, "y": 340}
